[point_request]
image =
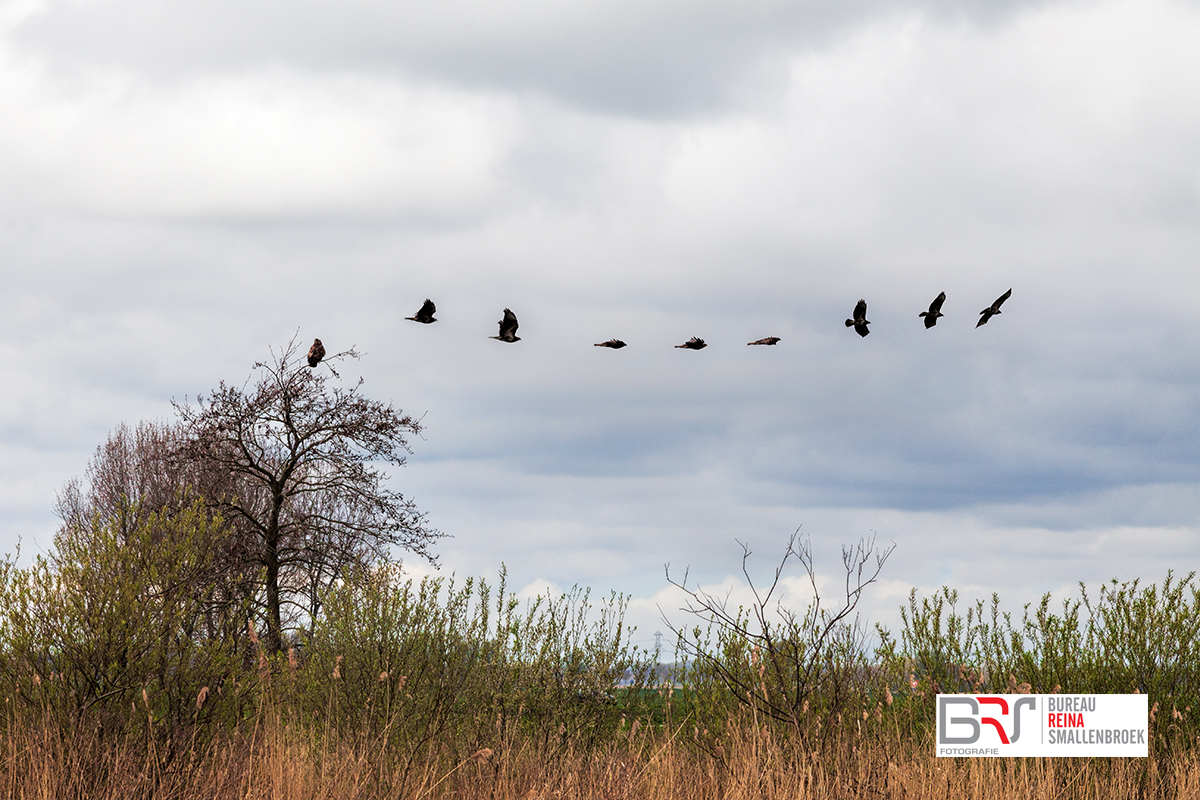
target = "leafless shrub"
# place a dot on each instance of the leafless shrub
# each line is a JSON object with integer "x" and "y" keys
{"x": 779, "y": 663}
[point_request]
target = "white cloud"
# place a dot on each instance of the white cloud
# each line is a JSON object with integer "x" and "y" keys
{"x": 646, "y": 58}
{"x": 169, "y": 215}
{"x": 538, "y": 589}
{"x": 266, "y": 146}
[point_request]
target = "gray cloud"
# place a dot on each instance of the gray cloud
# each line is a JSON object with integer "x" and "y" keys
{"x": 646, "y": 59}
{"x": 169, "y": 215}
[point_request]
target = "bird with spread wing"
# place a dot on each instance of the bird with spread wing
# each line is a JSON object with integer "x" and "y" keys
{"x": 425, "y": 315}
{"x": 993, "y": 309}
{"x": 860, "y": 321}
{"x": 508, "y": 328}
{"x": 935, "y": 311}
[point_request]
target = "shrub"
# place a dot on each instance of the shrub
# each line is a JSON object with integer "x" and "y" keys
{"x": 112, "y": 618}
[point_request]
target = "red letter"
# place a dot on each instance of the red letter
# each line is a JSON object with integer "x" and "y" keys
{"x": 998, "y": 726}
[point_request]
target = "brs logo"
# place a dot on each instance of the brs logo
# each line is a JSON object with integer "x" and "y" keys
{"x": 973, "y": 720}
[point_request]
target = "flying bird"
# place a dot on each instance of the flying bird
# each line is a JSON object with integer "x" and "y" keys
{"x": 316, "y": 353}
{"x": 768, "y": 340}
{"x": 615, "y": 344}
{"x": 993, "y": 309}
{"x": 425, "y": 315}
{"x": 860, "y": 321}
{"x": 935, "y": 311}
{"x": 693, "y": 343}
{"x": 508, "y": 328}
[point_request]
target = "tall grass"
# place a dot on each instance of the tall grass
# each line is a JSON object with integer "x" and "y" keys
{"x": 1129, "y": 638}
{"x": 440, "y": 688}
{"x": 278, "y": 759}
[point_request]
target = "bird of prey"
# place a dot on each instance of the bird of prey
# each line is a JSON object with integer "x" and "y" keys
{"x": 425, "y": 315}
{"x": 935, "y": 311}
{"x": 615, "y": 344}
{"x": 692, "y": 344}
{"x": 508, "y": 328}
{"x": 316, "y": 353}
{"x": 768, "y": 340}
{"x": 860, "y": 321}
{"x": 993, "y": 309}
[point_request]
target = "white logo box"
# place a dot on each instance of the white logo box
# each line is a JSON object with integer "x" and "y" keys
{"x": 1063, "y": 725}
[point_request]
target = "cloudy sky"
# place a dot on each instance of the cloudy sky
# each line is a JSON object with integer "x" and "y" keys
{"x": 186, "y": 185}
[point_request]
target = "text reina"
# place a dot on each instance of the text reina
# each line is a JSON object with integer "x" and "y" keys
{"x": 1067, "y": 711}
{"x": 1064, "y": 720}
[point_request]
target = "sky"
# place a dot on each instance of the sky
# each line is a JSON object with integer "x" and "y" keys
{"x": 184, "y": 186}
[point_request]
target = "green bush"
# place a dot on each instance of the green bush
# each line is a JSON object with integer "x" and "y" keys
{"x": 124, "y": 629}
{"x": 112, "y": 620}
{"x": 419, "y": 665}
{"x": 1130, "y": 638}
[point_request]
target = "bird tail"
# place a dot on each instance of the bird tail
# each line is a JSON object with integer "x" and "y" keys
{"x": 849, "y": 323}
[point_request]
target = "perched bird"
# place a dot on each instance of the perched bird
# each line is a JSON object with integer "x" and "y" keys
{"x": 316, "y": 353}
{"x": 935, "y": 311}
{"x": 615, "y": 344}
{"x": 425, "y": 315}
{"x": 508, "y": 328}
{"x": 860, "y": 321}
{"x": 692, "y": 344}
{"x": 768, "y": 340}
{"x": 993, "y": 309}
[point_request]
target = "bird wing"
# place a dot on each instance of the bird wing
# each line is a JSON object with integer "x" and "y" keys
{"x": 936, "y": 306}
{"x": 428, "y": 309}
{"x": 508, "y": 325}
{"x": 1000, "y": 300}
{"x": 860, "y": 310}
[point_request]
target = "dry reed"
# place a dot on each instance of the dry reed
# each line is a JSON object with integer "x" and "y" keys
{"x": 277, "y": 759}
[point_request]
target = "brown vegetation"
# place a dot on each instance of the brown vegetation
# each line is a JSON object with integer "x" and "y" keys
{"x": 273, "y": 757}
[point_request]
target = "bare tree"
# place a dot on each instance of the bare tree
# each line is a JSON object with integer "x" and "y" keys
{"x": 128, "y": 478}
{"x": 291, "y": 464}
{"x": 133, "y": 489}
{"x": 773, "y": 659}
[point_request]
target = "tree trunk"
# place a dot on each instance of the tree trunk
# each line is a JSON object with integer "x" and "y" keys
{"x": 271, "y": 558}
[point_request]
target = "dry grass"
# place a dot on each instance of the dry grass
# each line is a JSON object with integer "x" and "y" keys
{"x": 279, "y": 761}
